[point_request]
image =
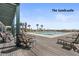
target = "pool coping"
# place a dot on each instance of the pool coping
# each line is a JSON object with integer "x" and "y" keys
{"x": 50, "y": 36}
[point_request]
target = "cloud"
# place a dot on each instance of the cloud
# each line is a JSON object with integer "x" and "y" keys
{"x": 62, "y": 18}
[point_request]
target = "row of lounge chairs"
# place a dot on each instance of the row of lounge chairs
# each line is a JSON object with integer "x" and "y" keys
{"x": 73, "y": 43}
{"x": 26, "y": 40}
{"x": 6, "y": 36}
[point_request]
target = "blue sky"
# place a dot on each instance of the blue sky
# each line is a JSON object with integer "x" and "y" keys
{"x": 41, "y": 13}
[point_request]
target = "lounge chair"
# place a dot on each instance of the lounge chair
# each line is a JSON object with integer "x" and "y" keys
{"x": 3, "y": 36}
{"x": 69, "y": 44}
{"x": 25, "y": 40}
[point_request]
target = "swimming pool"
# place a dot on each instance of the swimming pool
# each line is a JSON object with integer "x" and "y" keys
{"x": 49, "y": 33}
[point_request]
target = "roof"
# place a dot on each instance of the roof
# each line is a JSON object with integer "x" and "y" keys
{"x": 7, "y": 13}
{"x": 1, "y": 24}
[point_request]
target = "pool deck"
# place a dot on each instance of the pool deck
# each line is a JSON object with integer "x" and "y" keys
{"x": 44, "y": 46}
{"x": 47, "y": 46}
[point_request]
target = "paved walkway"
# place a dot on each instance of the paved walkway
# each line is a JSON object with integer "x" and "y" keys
{"x": 9, "y": 49}
{"x": 44, "y": 47}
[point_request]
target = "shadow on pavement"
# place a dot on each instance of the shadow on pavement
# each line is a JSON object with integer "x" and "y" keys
{"x": 10, "y": 50}
{"x": 7, "y": 47}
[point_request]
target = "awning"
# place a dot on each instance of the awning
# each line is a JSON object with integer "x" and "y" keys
{"x": 7, "y": 13}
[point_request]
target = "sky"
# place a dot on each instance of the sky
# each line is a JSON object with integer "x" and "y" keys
{"x": 42, "y": 14}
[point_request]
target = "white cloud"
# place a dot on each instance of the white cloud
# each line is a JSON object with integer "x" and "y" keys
{"x": 67, "y": 18}
{"x": 61, "y": 18}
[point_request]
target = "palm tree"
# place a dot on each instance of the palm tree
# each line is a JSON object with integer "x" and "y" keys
{"x": 25, "y": 26}
{"x": 29, "y": 26}
{"x": 41, "y": 27}
{"x": 37, "y": 26}
{"x": 22, "y": 25}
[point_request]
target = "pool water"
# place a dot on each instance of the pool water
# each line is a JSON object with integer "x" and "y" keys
{"x": 49, "y": 33}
